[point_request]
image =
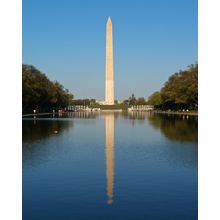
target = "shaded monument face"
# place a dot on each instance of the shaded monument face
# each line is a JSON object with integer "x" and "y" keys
{"x": 109, "y": 72}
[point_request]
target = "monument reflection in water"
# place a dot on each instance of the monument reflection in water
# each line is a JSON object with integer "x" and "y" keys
{"x": 110, "y": 165}
{"x": 109, "y": 149}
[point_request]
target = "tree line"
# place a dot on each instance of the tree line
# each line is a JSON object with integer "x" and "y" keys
{"x": 179, "y": 92}
{"x": 84, "y": 102}
{"x": 132, "y": 100}
{"x": 40, "y": 93}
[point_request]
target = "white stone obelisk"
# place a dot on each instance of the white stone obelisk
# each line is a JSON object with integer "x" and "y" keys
{"x": 109, "y": 68}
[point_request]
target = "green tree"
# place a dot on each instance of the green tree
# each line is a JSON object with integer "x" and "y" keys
{"x": 132, "y": 100}
{"x": 38, "y": 92}
{"x": 140, "y": 101}
{"x": 154, "y": 99}
{"x": 180, "y": 91}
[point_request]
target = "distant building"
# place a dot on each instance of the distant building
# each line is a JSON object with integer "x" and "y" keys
{"x": 141, "y": 108}
{"x": 101, "y": 102}
{"x": 78, "y": 108}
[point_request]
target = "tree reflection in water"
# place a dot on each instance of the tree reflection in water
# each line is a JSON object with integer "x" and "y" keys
{"x": 33, "y": 130}
{"x": 176, "y": 127}
{"x": 36, "y": 131}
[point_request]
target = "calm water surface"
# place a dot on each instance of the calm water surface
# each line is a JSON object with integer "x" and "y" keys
{"x": 110, "y": 166}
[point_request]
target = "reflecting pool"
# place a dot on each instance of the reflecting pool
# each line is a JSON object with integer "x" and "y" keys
{"x": 110, "y": 165}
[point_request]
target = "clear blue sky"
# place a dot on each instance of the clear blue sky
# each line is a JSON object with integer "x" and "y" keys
{"x": 152, "y": 39}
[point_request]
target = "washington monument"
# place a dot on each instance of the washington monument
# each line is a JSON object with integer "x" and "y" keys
{"x": 109, "y": 68}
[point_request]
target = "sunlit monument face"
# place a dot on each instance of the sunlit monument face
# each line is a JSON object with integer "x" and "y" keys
{"x": 109, "y": 72}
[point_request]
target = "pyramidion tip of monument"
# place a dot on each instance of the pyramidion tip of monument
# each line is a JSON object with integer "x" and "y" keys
{"x": 109, "y": 19}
